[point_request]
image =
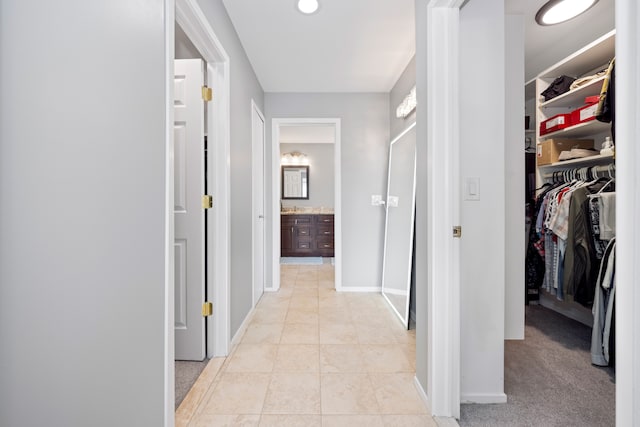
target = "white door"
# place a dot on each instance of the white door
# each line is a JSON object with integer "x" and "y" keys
{"x": 257, "y": 138}
{"x": 189, "y": 216}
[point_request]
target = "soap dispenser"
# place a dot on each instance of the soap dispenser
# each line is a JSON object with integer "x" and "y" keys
{"x": 607, "y": 147}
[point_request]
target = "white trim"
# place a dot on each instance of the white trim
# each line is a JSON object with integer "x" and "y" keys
{"x": 169, "y": 226}
{"x": 237, "y": 337}
{"x": 195, "y": 25}
{"x": 484, "y": 398}
{"x": 422, "y": 393}
{"x": 367, "y": 289}
{"x": 275, "y": 196}
{"x": 627, "y": 214}
{"x": 254, "y": 209}
{"x": 442, "y": 125}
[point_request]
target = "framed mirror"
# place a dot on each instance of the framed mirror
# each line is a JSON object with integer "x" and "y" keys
{"x": 295, "y": 182}
{"x": 399, "y": 224}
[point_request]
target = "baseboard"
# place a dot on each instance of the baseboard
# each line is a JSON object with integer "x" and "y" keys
{"x": 241, "y": 330}
{"x": 483, "y": 398}
{"x": 422, "y": 393}
{"x": 344, "y": 288}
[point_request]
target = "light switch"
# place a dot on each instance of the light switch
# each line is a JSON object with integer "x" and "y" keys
{"x": 472, "y": 188}
{"x": 393, "y": 201}
{"x": 376, "y": 200}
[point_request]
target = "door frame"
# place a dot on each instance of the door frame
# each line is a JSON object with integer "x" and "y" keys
{"x": 275, "y": 195}
{"x": 438, "y": 205}
{"x": 195, "y": 25}
{"x": 254, "y": 212}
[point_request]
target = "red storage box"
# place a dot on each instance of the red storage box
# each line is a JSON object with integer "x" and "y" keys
{"x": 592, "y": 99}
{"x": 555, "y": 123}
{"x": 584, "y": 114}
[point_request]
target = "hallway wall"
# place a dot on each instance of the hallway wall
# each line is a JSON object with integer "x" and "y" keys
{"x": 82, "y": 222}
{"x": 244, "y": 87}
{"x": 365, "y": 140}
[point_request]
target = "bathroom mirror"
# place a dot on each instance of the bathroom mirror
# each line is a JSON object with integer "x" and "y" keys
{"x": 399, "y": 228}
{"x": 295, "y": 182}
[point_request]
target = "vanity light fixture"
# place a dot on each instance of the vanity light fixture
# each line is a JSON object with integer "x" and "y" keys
{"x": 407, "y": 105}
{"x": 307, "y": 6}
{"x": 294, "y": 158}
{"x": 557, "y": 11}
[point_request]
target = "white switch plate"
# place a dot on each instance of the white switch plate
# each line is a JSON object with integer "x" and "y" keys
{"x": 393, "y": 201}
{"x": 376, "y": 200}
{"x": 472, "y": 188}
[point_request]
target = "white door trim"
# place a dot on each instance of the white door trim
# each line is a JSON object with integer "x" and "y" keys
{"x": 256, "y": 210}
{"x": 441, "y": 159}
{"x": 628, "y": 212}
{"x": 169, "y": 224}
{"x": 275, "y": 195}
{"x": 195, "y": 25}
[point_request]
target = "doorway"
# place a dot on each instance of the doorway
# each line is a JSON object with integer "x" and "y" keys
{"x": 333, "y": 127}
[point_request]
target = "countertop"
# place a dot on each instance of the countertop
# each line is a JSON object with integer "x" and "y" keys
{"x": 307, "y": 211}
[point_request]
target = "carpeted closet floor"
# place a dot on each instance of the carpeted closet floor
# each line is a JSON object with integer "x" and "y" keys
{"x": 549, "y": 379}
{"x": 186, "y": 375}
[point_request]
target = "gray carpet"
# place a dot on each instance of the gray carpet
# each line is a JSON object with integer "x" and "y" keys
{"x": 186, "y": 375}
{"x": 549, "y": 379}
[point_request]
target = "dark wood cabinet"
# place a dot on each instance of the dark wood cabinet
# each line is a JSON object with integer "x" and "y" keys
{"x": 306, "y": 235}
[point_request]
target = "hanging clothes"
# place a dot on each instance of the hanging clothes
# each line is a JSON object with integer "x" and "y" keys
{"x": 602, "y": 347}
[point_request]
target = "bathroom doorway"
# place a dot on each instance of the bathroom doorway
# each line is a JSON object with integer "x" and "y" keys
{"x": 296, "y": 133}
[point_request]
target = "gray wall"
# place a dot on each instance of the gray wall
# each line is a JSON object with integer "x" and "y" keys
{"x": 244, "y": 87}
{"x": 82, "y": 193}
{"x": 321, "y": 174}
{"x": 403, "y": 86}
{"x": 365, "y": 141}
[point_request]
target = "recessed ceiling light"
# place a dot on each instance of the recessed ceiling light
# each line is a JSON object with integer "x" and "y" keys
{"x": 557, "y": 11}
{"x": 307, "y": 6}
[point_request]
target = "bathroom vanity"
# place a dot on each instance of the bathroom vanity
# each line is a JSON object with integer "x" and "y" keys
{"x": 306, "y": 234}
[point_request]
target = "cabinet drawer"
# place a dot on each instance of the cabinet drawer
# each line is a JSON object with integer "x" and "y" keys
{"x": 324, "y": 219}
{"x": 324, "y": 244}
{"x": 303, "y": 231}
{"x": 303, "y": 244}
{"x": 325, "y": 230}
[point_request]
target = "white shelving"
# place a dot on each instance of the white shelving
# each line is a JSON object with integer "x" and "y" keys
{"x": 580, "y": 130}
{"x": 584, "y": 62}
{"x": 582, "y": 162}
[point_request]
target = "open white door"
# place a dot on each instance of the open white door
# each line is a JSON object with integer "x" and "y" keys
{"x": 257, "y": 137}
{"x": 189, "y": 217}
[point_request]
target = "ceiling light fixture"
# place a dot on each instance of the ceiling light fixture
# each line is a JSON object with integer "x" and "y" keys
{"x": 308, "y": 6}
{"x": 557, "y": 11}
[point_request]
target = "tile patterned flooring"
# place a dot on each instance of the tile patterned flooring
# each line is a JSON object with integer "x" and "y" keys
{"x": 311, "y": 356}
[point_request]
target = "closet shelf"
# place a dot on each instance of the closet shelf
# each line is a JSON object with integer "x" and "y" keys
{"x": 580, "y": 130}
{"x": 584, "y": 161}
{"x": 575, "y": 98}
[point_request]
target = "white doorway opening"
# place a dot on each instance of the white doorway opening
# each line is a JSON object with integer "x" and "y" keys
{"x": 276, "y": 185}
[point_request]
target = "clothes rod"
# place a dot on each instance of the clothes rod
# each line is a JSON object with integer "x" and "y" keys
{"x": 585, "y": 173}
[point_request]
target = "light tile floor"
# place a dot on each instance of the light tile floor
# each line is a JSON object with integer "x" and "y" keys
{"x": 313, "y": 357}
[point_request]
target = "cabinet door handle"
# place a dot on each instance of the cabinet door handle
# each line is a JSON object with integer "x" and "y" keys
{"x": 291, "y": 230}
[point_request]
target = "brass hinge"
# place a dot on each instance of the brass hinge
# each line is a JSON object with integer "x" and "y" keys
{"x": 207, "y": 93}
{"x": 207, "y": 202}
{"x": 207, "y": 309}
{"x": 457, "y": 231}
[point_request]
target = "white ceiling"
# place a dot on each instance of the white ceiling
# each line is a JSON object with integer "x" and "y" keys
{"x": 364, "y": 45}
{"x": 544, "y": 46}
{"x": 347, "y": 46}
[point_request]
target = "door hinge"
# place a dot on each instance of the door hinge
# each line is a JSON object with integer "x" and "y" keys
{"x": 457, "y": 231}
{"x": 207, "y": 93}
{"x": 207, "y": 309}
{"x": 207, "y": 202}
